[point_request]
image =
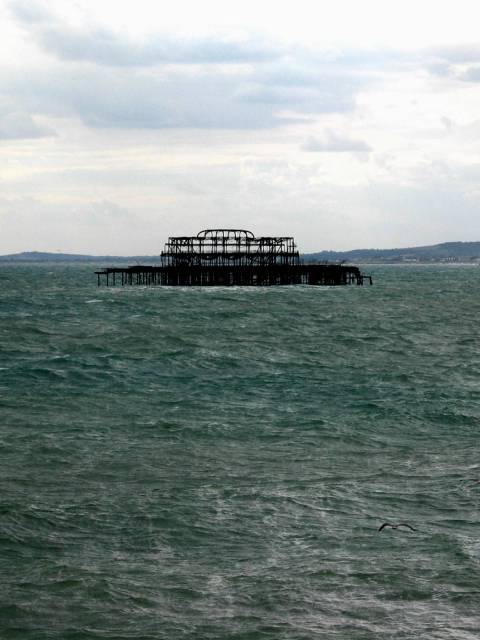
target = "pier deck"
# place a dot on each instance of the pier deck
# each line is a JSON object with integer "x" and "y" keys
{"x": 319, "y": 274}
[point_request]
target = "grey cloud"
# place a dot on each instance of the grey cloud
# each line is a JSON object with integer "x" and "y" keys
{"x": 292, "y": 75}
{"x": 458, "y": 54}
{"x": 382, "y": 213}
{"x": 441, "y": 69}
{"x": 472, "y": 74}
{"x": 461, "y": 63}
{"x": 321, "y": 99}
{"x": 18, "y": 126}
{"x": 447, "y": 123}
{"x": 149, "y": 102}
{"x": 109, "y": 80}
{"x": 173, "y": 181}
{"x": 333, "y": 142}
{"x": 29, "y": 12}
{"x": 104, "y": 212}
{"x": 152, "y": 99}
{"x": 363, "y": 60}
{"x": 76, "y": 227}
{"x": 103, "y": 46}
{"x": 445, "y": 61}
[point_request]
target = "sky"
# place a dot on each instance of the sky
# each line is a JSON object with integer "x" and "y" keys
{"x": 346, "y": 124}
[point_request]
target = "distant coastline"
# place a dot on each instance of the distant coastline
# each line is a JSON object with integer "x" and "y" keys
{"x": 447, "y": 252}
{"x": 45, "y": 256}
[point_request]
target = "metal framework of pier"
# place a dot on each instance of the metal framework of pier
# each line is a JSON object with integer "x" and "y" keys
{"x": 226, "y": 257}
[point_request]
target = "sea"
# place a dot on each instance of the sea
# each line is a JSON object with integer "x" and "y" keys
{"x": 216, "y": 463}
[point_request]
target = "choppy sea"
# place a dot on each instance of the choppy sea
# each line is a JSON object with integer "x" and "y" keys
{"x": 186, "y": 463}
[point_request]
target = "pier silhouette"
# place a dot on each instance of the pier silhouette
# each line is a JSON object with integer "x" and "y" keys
{"x": 231, "y": 257}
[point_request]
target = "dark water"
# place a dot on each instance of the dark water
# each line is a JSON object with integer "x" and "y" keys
{"x": 187, "y": 463}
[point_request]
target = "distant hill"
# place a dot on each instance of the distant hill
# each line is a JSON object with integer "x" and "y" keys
{"x": 41, "y": 256}
{"x": 445, "y": 252}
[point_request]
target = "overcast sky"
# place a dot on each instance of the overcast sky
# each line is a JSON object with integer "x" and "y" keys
{"x": 346, "y": 124}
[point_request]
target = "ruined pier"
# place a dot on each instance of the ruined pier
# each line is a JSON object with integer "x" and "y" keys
{"x": 231, "y": 257}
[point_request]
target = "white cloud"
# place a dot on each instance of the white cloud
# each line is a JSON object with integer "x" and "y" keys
{"x": 334, "y": 142}
{"x": 19, "y": 126}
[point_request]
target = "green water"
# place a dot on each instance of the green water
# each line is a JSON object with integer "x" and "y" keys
{"x": 215, "y": 463}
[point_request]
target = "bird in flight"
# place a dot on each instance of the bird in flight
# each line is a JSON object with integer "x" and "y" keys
{"x": 395, "y": 526}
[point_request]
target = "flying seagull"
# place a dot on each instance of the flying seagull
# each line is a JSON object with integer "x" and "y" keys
{"x": 395, "y": 526}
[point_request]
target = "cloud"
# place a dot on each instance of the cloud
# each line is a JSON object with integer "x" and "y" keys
{"x": 458, "y": 54}
{"x": 447, "y": 123}
{"x": 459, "y": 63}
{"x": 104, "y": 46}
{"x": 441, "y": 69}
{"x": 140, "y": 100}
{"x": 333, "y": 142}
{"x": 260, "y": 196}
{"x": 109, "y": 80}
{"x": 18, "y": 126}
{"x": 30, "y": 12}
{"x": 180, "y": 97}
{"x": 312, "y": 92}
{"x": 104, "y": 212}
{"x": 67, "y": 225}
{"x": 471, "y": 74}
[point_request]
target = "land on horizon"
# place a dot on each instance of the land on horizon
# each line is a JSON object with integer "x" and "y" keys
{"x": 445, "y": 252}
